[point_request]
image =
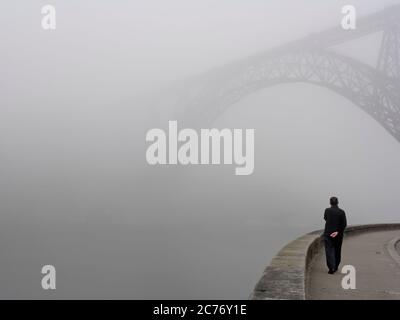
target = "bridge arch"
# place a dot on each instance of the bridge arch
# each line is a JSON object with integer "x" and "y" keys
{"x": 378, "y": 95}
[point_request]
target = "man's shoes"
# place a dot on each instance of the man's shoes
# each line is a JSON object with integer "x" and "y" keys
{"x": 331, "y": 272}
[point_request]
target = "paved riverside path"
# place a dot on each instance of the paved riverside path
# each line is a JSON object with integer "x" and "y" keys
{"x": 377, "y": 273}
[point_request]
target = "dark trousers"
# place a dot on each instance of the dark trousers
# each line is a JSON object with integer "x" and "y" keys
{"x": 333, "y": 250}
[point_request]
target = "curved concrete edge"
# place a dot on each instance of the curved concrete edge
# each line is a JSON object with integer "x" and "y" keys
{"x": 286, "y": 276}
{"x": 391, "y": 248}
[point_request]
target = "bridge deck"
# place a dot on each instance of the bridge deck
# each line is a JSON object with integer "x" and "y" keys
{"x": 377, "y": 273}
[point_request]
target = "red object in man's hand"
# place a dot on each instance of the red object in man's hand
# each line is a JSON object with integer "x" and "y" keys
{"x": 334, "y": 234}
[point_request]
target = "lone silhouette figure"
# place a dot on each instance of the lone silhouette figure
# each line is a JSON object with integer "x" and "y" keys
{"x": 335, "y": 224}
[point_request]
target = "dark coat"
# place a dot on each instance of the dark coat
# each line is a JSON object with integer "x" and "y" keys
{"x": 335, "y": 220}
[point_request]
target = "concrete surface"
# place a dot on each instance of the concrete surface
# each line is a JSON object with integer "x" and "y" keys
{"x": 377, "y": 273}
{"x": 284, "y": 278}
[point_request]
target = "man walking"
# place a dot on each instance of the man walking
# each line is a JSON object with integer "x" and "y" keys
{"x": 333, "y": 234}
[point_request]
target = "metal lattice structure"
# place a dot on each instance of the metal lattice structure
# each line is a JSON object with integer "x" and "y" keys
{"x": 310, "y": 60}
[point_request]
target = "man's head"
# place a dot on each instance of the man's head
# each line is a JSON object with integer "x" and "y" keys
{"x": 334, "y": 201}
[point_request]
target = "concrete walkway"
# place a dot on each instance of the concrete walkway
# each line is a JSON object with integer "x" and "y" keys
{"x": 377, "y": 273}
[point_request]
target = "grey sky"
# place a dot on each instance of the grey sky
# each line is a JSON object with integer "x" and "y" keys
{"x": 75, "y": 190}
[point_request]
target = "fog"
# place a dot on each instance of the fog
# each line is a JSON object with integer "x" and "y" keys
{"x": 76, "y": 191}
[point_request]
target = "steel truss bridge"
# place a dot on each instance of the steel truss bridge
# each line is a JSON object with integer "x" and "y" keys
{"x": 376, "y": 90}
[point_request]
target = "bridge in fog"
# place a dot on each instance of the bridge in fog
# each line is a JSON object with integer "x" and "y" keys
{"x": 376, "y": 90}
